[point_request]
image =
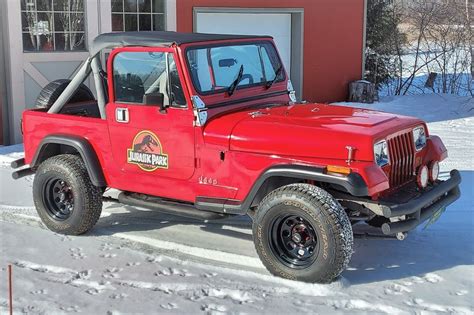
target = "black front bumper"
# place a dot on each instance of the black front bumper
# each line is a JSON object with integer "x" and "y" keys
{"x": 416, "y": 211}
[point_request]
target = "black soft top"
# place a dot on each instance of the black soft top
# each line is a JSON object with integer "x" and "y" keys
{"x": 157, "y": 38}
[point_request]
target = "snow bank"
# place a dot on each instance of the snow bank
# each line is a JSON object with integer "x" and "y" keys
{"x": 9, "y": 154}
{"x": 429, "y": 107}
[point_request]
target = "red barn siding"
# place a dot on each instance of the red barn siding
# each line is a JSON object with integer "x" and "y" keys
{"x": 333, "y": 40}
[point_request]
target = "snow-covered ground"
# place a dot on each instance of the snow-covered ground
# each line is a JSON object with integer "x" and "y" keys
{"x": 458, "y": 77}
{"x": 139, "y": 261}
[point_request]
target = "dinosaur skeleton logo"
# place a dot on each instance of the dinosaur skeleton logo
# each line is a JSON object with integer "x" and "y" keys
{"x": 147, "y": 152}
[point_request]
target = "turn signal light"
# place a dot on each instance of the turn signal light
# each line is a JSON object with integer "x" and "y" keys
{"x": 338, "y": 169}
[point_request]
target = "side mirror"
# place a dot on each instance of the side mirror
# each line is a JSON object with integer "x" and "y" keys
{"x": 155, "y": 99}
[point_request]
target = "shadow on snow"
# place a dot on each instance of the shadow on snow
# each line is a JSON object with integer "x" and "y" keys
{"x": 446, "y": 244}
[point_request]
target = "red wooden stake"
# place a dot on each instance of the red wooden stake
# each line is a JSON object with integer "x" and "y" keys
{"x": 10, "y": 289}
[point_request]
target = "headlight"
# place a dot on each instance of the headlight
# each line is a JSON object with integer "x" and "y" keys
{"x": 381, "y": 153}
{"x": 419, "y": 137}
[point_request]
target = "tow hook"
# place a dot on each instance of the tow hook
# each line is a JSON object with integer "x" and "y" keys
{"x": 401, "y": 236}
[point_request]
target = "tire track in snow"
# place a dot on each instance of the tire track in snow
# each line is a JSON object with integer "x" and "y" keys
{"x": 199, "y": 252}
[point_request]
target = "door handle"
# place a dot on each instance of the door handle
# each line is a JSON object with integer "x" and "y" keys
{"x": 121, "y": 115}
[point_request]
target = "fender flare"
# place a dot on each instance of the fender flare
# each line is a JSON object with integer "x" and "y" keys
{"x": 85, "y": 149}
{"x": 352, "y": 183}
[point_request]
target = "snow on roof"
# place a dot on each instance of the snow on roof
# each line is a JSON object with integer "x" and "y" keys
{"x": 157, "y": 38}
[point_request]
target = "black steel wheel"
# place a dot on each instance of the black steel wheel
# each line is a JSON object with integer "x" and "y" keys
{"x": 293, "y": 241}
{"x": 302, "y": 233}
{"x": 58, "y": 198}
{"x": 65, "y": 198}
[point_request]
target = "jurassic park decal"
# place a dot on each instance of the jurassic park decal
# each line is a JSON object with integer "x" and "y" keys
{"x": 147, "y": 152}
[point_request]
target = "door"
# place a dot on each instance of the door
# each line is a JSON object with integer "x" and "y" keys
{"x": 152, "y": 146}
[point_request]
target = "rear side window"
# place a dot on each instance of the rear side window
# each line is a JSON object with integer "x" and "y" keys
{"x": 140, "y": 73}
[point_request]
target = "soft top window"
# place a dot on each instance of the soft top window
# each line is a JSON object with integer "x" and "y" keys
{"x": 140, "y": 73}
{"x": 214, "y": 68}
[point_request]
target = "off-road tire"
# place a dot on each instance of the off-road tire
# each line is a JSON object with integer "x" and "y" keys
{"x": 328, "y": 220}
{"x": 87, "y": 198}
{"x": 50, "y": 93}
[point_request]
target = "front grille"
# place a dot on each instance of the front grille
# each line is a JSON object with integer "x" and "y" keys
{"x": 402, "y": 159}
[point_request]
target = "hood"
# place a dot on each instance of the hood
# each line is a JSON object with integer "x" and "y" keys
{"x": 305, "y": 130}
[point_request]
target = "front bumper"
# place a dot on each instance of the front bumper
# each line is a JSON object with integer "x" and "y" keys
{"x": 409, "y": 215}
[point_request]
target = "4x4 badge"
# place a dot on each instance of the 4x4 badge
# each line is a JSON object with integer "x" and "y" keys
{"x": 147, "y": 152}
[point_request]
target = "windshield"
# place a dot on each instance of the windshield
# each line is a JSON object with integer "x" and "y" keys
{"x": 214, "y": 69}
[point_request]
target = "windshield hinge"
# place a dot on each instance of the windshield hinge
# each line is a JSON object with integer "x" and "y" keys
{"x": 200, "y": 110}
{"x": 291, "y": 91}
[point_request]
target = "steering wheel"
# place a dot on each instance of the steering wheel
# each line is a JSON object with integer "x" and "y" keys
{"x": 249, "y": 77}
{"x": 177, "y": 93}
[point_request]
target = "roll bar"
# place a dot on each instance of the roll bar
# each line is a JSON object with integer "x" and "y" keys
{"x": 91, "y": 65}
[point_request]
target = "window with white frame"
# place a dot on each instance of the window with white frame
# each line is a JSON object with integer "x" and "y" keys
{"x": 138, "y": 15}
{"x": 53, "y": 25}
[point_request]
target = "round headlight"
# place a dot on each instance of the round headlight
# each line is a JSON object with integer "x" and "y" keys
{"x": 434, "y": 171}
{"x": 419, "y": 137}
{"x": 381, "y": 153}
{"x": 422, "y": 176}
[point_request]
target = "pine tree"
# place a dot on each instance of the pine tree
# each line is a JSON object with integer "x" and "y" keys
{"x": 382, "y": 40}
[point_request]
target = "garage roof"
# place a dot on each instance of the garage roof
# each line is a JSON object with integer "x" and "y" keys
{"x": 156, "y": 38}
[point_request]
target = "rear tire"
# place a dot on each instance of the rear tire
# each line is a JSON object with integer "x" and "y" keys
{"x": 50, "y": 93}
{"x": 65, "y": 198}
{"x": 302, "y": 233}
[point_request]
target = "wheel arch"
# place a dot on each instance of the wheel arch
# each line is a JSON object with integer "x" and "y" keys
{"x": 281, "y": 175}
{"x": 53, "y": 145}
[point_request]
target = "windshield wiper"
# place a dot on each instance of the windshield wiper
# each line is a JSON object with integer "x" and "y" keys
{"x": 277, "y": 74}
{"x": 236, "y": 82}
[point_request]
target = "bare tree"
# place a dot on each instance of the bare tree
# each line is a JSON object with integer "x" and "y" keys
{"x": 77, "y": 19}
{"x": 469, "y": 26}
{"x": 439, "y": 44}
{"x": 37, "y": 27}
{"x": 448, "y": 36}
{"x": 71, "y": 19}
{"x": 31, "y": 20}
{"x": 419, "y": 16}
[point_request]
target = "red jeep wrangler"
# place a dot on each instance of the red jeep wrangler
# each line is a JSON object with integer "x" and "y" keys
{"x": 207, "y": 126}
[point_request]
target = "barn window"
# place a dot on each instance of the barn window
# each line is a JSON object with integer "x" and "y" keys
{"x": 53, "y": 25}
{"x": 138, "y": 15}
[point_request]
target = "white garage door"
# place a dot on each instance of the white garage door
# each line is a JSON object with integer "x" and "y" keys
{"x": 277, "y": 25}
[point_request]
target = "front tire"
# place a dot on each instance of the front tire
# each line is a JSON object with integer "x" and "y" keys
{"x": 302, "y": 233}
{"x": 65, "y": 198}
